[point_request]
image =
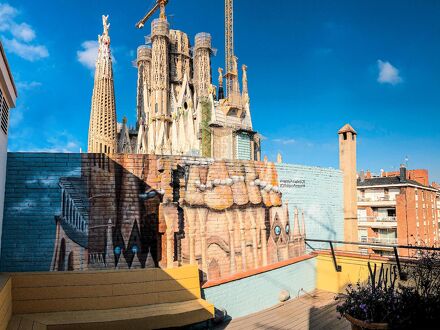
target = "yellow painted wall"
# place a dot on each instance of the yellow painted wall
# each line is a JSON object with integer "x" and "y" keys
{"x": 354, "y": 269}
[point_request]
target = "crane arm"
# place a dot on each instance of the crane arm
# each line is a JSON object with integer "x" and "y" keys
{"x": 141, "y": 23}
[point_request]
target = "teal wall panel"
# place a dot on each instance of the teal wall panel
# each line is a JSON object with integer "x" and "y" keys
{"x": 255, "y": 293}
{"x": 318, "y": 192}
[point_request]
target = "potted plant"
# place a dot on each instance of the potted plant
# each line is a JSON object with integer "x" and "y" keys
{"x": 386, "y": 303}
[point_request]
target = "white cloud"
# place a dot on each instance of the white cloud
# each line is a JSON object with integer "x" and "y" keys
{"x": 16, "y": 117}
{"x": 28, "y": 52}
{"x": 51, "y": 141}
{"x": 388, "y": 74}
{"x": 87, "y": 56}
{"x": 23, "y": 31}
{"x": 20, "y": 34}
{"x": 26, "y": 85}
{"x": 62, "y": 142}
{"x": 286, "y": 141}
{"x": 7, "y": 14}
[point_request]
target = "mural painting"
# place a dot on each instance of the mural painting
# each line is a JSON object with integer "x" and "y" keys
{"x": 136, "y": 211}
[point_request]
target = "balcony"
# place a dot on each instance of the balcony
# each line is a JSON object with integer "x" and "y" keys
{"x": 379, "y": 240}
{"x": 377, "y": 222}
{"x": 382, "y": 240}
{"x": 377, "y": 201}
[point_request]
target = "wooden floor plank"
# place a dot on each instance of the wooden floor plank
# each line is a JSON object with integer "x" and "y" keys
{"x": 14, "y": 323}
{"x": 315, "y": 310}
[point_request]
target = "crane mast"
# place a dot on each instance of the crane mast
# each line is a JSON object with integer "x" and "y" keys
{"x": 229, "y": 47}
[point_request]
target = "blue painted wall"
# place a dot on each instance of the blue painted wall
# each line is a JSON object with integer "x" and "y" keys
{"x": 319, "y": 193}
{"x": 258, "y": 292}
{"x": 32, "y": 200}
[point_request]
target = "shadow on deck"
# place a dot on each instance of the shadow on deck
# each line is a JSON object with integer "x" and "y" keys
{"x": 316, "y": 310}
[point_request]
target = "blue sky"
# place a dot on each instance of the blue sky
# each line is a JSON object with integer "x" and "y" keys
{"x": 313, "y": 66}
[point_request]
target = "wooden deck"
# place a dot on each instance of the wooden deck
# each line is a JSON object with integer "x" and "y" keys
{"x": 316, "y": 310}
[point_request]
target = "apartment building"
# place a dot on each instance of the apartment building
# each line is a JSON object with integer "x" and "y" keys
{"x": 397, "y": 208}
{"x": 8, "y": 95}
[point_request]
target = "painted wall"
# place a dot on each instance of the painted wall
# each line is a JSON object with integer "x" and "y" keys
{"x": 258, "y": 292}
{"x": 32, "y": 200}
{"x": 89, "y": 211}
{"x": 354, "y": 269}
{"x": 318, "y": 192}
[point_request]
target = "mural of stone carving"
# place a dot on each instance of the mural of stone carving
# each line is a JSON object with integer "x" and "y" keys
{"x": 133, "y": 211}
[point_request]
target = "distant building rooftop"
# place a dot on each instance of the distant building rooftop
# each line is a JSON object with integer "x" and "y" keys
{"x": 390, "y": 181}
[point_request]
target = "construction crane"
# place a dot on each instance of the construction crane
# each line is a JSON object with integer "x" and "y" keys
{"x": 159, "y": 4}
{"x": 229, "y": 46}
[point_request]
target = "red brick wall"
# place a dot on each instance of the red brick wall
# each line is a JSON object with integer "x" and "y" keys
{"x": 420, "y": 175}
{"x": 417, "y": 222}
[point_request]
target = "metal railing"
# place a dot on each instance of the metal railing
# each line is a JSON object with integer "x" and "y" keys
{"x": 377, "y": 219}
{"x": 385, "y": 240}
{"x": 395, "y": 247}
{"x": 376, "y": 199}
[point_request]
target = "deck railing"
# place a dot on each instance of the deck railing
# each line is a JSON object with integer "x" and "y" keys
{"x": 333, "y": 243}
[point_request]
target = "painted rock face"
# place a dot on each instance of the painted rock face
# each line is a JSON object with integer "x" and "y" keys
{"x": 220, "y": 196}
{"x": 238, "y": 185}
{"x": 192, "y": 195}
{"x": 252, "y": 184}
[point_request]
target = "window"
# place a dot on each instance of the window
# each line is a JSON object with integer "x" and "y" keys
{"x": 4, "y": 114}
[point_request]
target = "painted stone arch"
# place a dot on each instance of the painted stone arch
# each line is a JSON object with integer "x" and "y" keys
{"x": 62, "y": 255}
{"x": 219, "y": 261}
{"x": 70, "y": 262}
{"x": 214, "y": 270}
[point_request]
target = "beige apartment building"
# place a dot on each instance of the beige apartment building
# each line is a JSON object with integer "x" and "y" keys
{"x": 397, "y": 208}
{"x": 8, "y": 95}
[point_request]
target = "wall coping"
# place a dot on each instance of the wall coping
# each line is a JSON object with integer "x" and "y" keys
{"x": 258, "y": 271}
{"x": 352, "y": 255}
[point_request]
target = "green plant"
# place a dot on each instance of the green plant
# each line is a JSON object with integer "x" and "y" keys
{"x": 374, "y": 301}
{"x": 410, "y": 304}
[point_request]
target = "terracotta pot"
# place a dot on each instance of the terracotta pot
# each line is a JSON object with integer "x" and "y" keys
{"x": 359, "y": 325}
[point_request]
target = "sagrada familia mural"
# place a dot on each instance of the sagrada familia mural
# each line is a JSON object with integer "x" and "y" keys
{"x": 185, "y": 185}
{"x": 136, "y": 211}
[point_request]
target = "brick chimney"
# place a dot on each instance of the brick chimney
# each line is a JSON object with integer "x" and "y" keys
{"x": 362, "y": 176}
{"x": 402, "y": 173}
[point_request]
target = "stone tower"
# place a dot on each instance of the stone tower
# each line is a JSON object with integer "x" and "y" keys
{"x": 102, "y": 127}
{"x": 347, "y": 164}
{"x": 143, "y": 98}
{"x": 202, "y": 64}
{"x": 144, "y": 82}
{"x": 158, "y": 137}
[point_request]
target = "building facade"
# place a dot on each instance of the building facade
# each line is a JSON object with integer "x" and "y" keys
{"x": 179, "y": 110}
{"x": 8, "y": 96}
{"x": 397, "y": 208}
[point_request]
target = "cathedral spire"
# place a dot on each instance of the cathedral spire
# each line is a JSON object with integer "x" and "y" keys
{"x": 102, "y": 129}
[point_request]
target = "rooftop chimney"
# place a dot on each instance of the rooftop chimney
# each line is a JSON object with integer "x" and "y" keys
{"x": 402, "y": 173}
{"x": 362, "y": 176}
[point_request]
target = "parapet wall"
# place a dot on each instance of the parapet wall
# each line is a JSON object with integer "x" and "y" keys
{"x": 91, "y": 211}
